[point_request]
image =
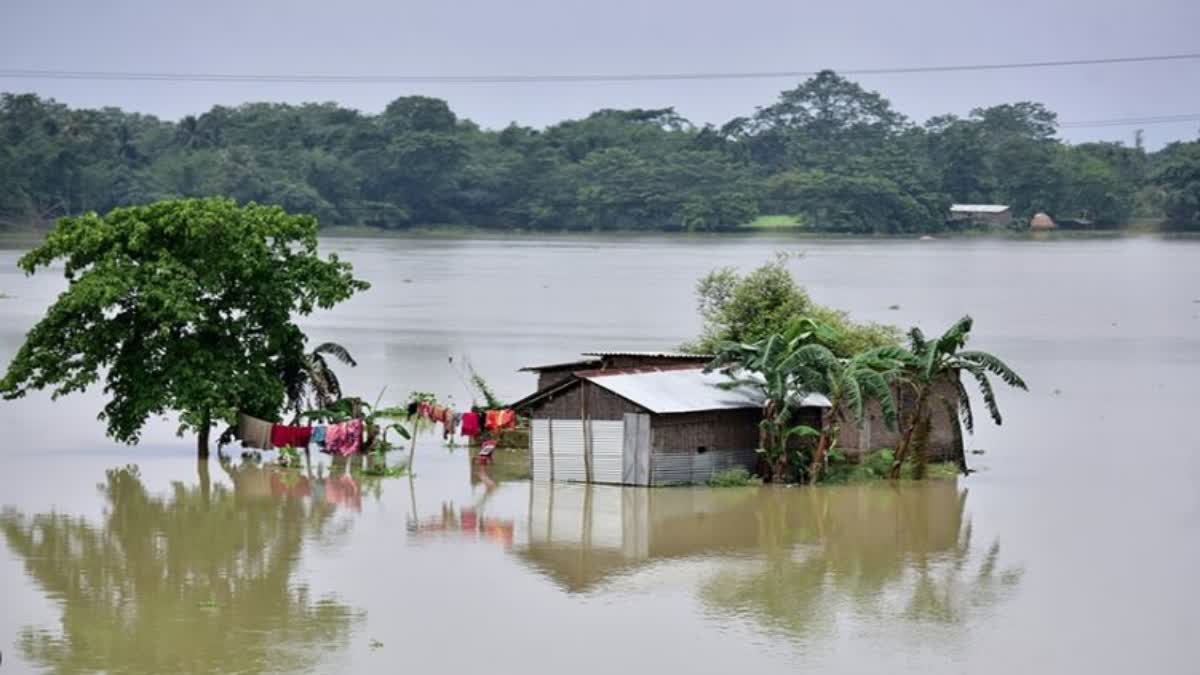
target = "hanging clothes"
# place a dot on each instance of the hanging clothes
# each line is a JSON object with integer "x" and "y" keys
{"x": 449, "y": 424}
{"x": 253, "y": 432}
{"x": 492, "y": 420}
{"x": 424, "y": 410}
{"x": 318, "y": 434}
{"x": 507, "y": 419}
{"x": 283, "y": 435}
{"x": 438, "y": 414}
{"x": 470, "y": 424}
{"x": 344, "y": 438}
{"x": 412, "y": 408}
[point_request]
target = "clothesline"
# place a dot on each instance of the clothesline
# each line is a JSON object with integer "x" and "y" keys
{"x": 346, "y": 438}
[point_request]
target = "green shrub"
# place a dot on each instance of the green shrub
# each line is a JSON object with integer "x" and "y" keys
{"x": 735, "y": 477}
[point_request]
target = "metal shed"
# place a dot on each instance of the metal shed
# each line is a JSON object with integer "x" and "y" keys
{"x": 646, "y": 426}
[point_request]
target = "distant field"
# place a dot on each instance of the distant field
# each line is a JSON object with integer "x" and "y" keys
{"x": 774, "y": 222}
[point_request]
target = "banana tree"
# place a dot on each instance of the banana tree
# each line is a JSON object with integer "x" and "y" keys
{"x": 314, "y": 384}
{"x": 850, "y": 385}
{"x": 944, "y": 360}
{"x": 774, "y": 366}
{"x": 789, "y": 366}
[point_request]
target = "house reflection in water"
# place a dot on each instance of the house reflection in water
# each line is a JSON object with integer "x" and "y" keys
{"x": 774, "y": 553}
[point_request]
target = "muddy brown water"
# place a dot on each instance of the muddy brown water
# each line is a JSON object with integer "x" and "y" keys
{"x": 1074, "y": 549}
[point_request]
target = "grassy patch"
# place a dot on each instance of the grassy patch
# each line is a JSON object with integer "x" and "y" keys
{"x": 877, "y": 465}
{"x": 735, "y": 477}
{"x": 777, "y": 221}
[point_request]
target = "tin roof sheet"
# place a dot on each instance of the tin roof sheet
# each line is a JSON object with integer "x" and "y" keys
{"x": 680, "y": 391}
{"x": 659, "y": 355}
{"x": 578, "y": 363}
{"x": 978, "y": 208}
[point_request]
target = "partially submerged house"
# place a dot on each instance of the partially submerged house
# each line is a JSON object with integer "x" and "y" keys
{"x": 982, "y": 215}
{"x": 644, "y": 424}
{"x": 656, "y": 418}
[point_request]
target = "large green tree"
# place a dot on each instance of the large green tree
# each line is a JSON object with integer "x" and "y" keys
{"x": 184, "y": 306}
{"x": 1179, "y": 176}
{"x": 827, "y": 149}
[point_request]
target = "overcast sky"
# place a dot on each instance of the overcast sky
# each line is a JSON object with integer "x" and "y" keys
{"x": 481, "y": 37}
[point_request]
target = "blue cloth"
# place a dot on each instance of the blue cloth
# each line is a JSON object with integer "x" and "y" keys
{"x": 318, "y": 435}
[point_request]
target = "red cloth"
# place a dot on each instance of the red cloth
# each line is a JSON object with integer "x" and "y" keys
{"x": 470, "y": 424}
{"x": 498, "y": 420}
{"x": 297, "y": 437}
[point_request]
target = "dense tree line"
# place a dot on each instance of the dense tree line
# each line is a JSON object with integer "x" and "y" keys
{"x": 828, "y": 151}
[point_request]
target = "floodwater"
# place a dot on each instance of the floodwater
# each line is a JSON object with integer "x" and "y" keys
{"x": 1075, "y": 548}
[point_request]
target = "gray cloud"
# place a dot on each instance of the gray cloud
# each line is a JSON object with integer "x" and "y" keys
{"x": 569, "y": 36}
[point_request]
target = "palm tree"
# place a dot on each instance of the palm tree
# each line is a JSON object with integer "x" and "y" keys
{"x": 850, "y": 384}
{"x": 771, "y": 366}
{"x": 944, "y": 360}
{"x": 786, "y": 367}
{"x": 315, "y": 385}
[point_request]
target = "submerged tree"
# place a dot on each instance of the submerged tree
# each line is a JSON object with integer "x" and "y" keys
{"x": 747, "y": 308}
{"x": 184, "y": 306}
{"x": 939, "y": 361}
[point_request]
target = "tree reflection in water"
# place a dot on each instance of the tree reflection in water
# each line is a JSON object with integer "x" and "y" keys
{"x": 198, "y": 580}
{"x": 790, "y": 559}
{"x": 891, "y": 553}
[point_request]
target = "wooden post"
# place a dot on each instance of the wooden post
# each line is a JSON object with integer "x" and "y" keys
{"x": 550, "y": 435}
{"x": 412, "y": 445}
{"x": 587, "y": 437}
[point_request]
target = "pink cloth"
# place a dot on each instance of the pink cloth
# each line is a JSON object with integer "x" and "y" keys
{"x": 344, "y": 438}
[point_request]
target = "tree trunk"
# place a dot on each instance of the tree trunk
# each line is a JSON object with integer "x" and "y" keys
{"x": 920, "y": 447}
{"x": 205, "y": 481}
{"x": 818, "y": 460}
{"x": 202, "y": 435}
{"x": 959, "y": 447}
{"x": 824, "y": 442}
{"x": 905, "y": 442}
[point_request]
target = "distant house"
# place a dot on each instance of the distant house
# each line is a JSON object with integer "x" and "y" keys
{"x": 644, "y": 424}
{"x": 984, "y": 215}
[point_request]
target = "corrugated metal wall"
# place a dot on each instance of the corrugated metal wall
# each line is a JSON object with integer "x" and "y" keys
{"x": 567, "y": 454}
{"x": 567, "y": 436}
{"x": 696, "y": 467}
{"x": 607, "y": 440}
{"x": 539, "y": 449}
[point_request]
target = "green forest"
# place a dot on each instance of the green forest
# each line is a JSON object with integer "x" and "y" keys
{"x": 831, "y": 154}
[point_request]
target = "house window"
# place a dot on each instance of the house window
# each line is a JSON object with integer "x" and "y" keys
{"x": 701, "y": 450}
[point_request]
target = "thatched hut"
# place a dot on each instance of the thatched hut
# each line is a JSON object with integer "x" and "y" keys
{"x": 1042, "y": 221}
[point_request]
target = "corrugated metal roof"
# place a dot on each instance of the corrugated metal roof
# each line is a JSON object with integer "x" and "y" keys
{"x": 566, "y": 364}
{"x": 978, "y": 208}
{"x": 680, "y": 391}
{"x": 658, "y": 355}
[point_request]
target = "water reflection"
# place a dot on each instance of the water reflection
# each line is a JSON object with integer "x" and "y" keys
{"x": 465, "y": 522}
{"x": 787, "y": 558}
{"x": 197, "y": 580}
